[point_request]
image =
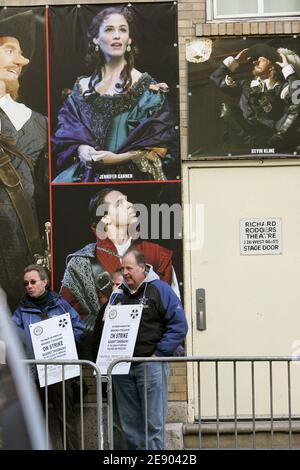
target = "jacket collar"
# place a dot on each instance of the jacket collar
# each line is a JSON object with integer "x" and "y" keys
{"x": 26, "y": 302}
{"x": 150, "y": 277}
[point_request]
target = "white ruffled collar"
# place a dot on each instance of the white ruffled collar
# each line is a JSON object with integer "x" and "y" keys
{"x": 17, "y": 113}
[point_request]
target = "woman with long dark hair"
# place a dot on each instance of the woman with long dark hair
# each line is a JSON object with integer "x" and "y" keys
{"x": 116, "y": 122}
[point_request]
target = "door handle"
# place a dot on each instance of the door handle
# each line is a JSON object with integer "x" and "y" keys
{"x": 200, "y": 309}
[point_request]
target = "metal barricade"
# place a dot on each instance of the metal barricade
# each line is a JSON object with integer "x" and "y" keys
{"x": 99, "y": 401}
{"x": 261, "y": 394}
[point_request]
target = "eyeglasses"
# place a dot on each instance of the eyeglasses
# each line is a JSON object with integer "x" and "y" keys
{"x": 31, "y": 282}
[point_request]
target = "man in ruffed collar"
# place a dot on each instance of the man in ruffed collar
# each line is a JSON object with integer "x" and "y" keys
{"x": 23, "y": 140}
{"x": 267, "y": 115}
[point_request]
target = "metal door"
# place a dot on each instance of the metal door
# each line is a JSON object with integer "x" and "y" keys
{"x": 252, "y": 300}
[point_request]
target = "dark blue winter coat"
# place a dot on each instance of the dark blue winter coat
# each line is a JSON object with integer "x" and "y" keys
{"x": 28, "y": 313}
{"x": 163, "y": 324}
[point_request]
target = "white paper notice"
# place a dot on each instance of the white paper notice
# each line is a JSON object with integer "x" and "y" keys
{"x": 119, "y": 336}
{"x": 261, "y": 236}
{"x": 53, "y": 339}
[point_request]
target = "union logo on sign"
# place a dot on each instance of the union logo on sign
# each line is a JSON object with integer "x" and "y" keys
{"x": 112, "y": 314}
{"x": 38, "y": 330}
{"x": 63, "y": 322}
{"x": 134, "y": 313}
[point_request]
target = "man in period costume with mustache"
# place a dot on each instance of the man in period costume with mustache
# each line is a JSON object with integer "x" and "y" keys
{"x": 267, "y": 115}
{"x": 23, "y": 138}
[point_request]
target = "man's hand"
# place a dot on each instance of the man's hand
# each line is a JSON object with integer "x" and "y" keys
{"x": 242, "y": 57}
{"x": 284, "y": 62}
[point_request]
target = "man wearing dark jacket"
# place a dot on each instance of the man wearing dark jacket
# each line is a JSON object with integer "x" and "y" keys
{"x": 39, "y": 304}
{"x": 162, "y": 329}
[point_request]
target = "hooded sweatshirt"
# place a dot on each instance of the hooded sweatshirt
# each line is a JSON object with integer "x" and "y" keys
{"x": 163, "y": 325}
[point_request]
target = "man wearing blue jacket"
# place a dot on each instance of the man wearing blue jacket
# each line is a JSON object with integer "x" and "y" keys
{"x": 162, "y": 329}
{"x": 40, "y": 303}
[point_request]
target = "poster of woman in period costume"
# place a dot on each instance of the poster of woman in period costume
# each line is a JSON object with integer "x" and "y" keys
{"x": 118, "y": 120}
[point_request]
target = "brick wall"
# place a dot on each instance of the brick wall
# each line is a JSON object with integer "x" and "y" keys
{"x": 178, "y": 382}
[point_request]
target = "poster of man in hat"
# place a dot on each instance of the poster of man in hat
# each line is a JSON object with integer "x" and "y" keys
{"x": 244, "y": 97}
{"x": 23, "y": 138}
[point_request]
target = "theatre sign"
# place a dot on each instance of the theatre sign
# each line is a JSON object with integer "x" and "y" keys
{"x": 260, "y": 236}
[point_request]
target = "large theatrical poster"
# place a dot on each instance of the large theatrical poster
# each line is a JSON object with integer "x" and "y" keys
{"x": 111, "y": 121}
{"x": 244, "y": 97}
{"x": 115, "y": 164}
{"x": 24, "y": 184}
{"x": 115, "y": 156}
{"x": 89, "y": 151}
